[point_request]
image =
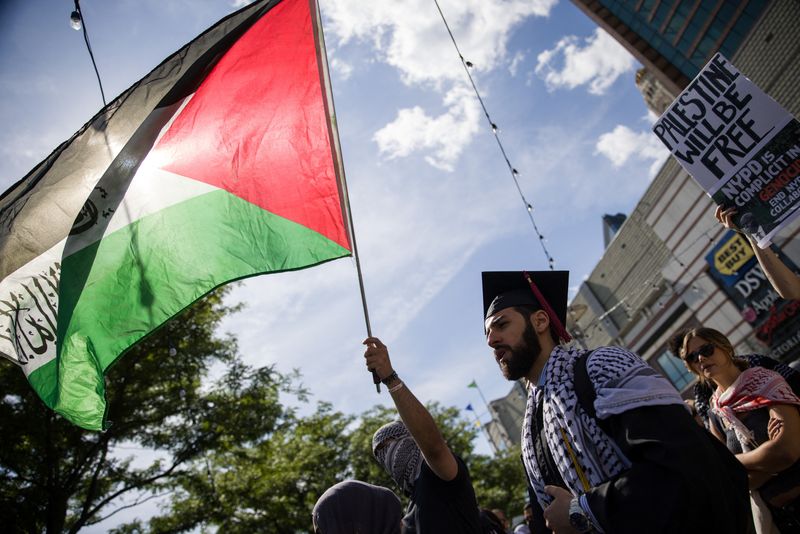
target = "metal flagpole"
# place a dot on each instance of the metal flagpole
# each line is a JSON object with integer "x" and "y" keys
{"x": 488, "y": 410}
{"x": 322, "y": 59}
{"x": 485, "y": 431}
{"x": 475, "y": 385}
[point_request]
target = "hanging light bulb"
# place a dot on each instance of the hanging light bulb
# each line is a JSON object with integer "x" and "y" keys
{"x": 75, "y": 20}
{"x": 468, "y": 64}
{"x": 530, "y": 208}
{"x": 494, "y": 128}
{"x": 515, "y": 172}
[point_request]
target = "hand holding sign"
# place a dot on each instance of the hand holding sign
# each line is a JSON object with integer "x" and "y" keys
{"x": 740, "y": 145}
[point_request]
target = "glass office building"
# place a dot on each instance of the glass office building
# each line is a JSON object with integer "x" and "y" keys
{"x": 674, "y": 39}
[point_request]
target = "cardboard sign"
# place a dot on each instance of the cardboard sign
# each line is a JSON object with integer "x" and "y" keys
{"x": 740, "y": 145}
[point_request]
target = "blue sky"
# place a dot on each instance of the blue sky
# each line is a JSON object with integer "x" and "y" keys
{"x": 433, "y": 202}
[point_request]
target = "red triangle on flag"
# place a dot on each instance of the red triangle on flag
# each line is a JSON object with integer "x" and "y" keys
{"x": 257, "y": 125}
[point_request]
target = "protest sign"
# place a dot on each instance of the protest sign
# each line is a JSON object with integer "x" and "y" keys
{"x": 740, "y": 145}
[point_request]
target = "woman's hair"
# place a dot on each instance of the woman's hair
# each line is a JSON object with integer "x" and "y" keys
{"x": 716, "y": 338}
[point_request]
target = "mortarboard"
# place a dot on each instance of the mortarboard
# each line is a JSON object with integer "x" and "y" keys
{"x": 504, "y": 289}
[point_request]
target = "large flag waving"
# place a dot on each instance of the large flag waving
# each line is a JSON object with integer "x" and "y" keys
{"x": 221, "y": 163}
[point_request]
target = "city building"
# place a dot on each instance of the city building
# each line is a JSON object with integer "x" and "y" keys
{"x": 674, "y": 39}
{"x": 656, "y": 97}
{"x": 507, "y": 414}
{"x": 671, "y": 265}
{"x": 611, "y": 225}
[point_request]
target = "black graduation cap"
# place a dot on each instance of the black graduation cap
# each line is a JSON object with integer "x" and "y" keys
{"x": 504, "y": 289}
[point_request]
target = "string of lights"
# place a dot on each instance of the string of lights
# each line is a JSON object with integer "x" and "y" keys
{"x": 78, "y": 23}
{"x": 496, "y": 132}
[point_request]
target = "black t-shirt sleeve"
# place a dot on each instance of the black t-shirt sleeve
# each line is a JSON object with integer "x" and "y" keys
{"x": 445, "y": 506}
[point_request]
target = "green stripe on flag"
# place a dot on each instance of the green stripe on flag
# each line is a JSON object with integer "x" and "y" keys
{"x": 118, "y": 290}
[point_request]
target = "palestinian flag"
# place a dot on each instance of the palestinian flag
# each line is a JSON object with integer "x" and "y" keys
{"x": 221, "y": 163}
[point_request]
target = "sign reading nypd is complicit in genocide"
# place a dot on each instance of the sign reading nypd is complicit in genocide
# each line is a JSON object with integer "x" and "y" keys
{"x": 740, "y": 145}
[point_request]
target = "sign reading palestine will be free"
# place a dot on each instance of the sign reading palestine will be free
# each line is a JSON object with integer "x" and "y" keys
{"x": 739, "y": 144}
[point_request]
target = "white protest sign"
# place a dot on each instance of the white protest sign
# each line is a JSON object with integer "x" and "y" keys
{"x": 740, "y": 145}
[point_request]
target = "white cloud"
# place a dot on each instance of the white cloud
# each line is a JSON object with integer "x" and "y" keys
{"x": 411, "y": 37}
{"x": 598, "y": 63}
{"x": 443, "y": 137}
{"x": 341, "y": 69}
{"x": 623, "y": 144}
{"x": 650, "y": 117}
{"x": 518, "y": 58}
{"x": 236, "y": 4}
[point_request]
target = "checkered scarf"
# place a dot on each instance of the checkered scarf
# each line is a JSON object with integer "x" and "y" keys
{"x": 755, "y": 388}
{"x": 399, "y": 454}
{"x": 622, "y": 382}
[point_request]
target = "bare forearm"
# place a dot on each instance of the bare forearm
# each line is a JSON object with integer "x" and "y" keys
{"x": 418, "y": 421}
{"x": 415, "y": 416}
{"x": 770, "y": 457}
{"x": 783, "y": 279}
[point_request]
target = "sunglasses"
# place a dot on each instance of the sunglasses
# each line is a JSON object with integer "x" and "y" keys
{"x": 706, "y": 350}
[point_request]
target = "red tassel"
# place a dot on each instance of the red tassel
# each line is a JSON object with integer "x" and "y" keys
{"x": 561, "y": 332}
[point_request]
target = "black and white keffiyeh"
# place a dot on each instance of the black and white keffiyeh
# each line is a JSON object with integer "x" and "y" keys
{"x": 395, "y": 449}
{"x": 622, "y": 381}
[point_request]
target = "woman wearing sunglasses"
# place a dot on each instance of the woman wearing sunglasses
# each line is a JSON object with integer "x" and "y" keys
{"x": 760, "y": 419}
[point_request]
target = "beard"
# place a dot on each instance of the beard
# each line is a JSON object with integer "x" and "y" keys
{"x": 523, "y": 355}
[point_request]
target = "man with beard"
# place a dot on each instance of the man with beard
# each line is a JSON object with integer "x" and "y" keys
{"x": 607, "y": 443}
{"x": 414, "y": 453}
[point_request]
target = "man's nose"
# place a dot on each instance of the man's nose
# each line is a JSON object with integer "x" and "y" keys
{"x": 492, "y": 339}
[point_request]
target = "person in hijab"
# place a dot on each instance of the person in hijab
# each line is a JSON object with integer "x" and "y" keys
{"x": 355, "y": 507}
{"x": 414, "y": 453}
{"x": 607, "y": 443}
{"x": 759, "y": 415}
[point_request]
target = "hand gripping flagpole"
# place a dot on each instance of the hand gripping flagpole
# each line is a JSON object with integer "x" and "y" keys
{"x": 322, "y": 61}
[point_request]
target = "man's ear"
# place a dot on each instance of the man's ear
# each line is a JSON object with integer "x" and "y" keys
{"x": 540, "y": 321}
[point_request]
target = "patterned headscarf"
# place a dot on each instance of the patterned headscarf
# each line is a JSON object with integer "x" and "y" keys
{"x": 396, "y": 451}
{"x": 755, "y": 388}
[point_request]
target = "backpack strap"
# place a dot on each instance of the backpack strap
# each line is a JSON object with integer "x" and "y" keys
{"x": 584, "y": 389}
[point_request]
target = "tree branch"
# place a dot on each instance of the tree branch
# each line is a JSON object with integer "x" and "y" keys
{"x": 137, "y": 503}
{"x": 92, "y": 486}
{"x": 82, "y": 520}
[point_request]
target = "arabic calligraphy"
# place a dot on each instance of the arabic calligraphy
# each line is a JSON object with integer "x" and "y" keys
{"x": 28, "y": 317}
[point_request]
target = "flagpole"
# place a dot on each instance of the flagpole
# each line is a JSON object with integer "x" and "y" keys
{"x": 337, "y": 154}
{"x": 482, "y": 397}
{"x": 485, "y": 431}
{"x": 489, "y": 409}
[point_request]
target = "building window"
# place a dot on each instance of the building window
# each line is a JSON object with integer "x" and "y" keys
{"x": 675, "y": 370}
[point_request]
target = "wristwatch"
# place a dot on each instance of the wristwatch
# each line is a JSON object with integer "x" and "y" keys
{"x": 577, "y": 517}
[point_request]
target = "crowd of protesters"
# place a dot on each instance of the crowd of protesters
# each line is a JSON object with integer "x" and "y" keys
{"x": 607, "y": 444}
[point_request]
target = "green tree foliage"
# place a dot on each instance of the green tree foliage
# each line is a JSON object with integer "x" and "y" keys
{"x": 272, "y": 486}
{"x": 231, "y": 456}
{"x": 56, "y": 477}
{"x": 499, "y": 481}
{"x": 269, "y": 486}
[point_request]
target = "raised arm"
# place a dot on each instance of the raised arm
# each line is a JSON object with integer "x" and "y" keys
{"x": 414, "y": 415}
{"x": 783, "y": 279}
